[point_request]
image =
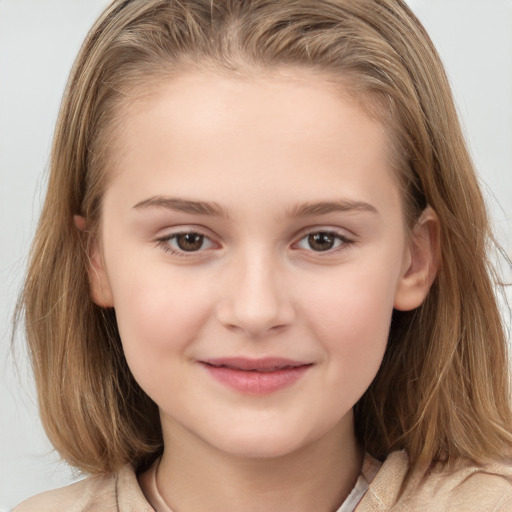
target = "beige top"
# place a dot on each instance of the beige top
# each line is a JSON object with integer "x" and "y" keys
{"x": 464, "y": 488}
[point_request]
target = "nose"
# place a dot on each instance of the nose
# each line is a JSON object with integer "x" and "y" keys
{"x": 254, "y": 297}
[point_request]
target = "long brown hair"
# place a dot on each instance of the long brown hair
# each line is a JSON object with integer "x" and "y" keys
{"x": 443, "y": 388}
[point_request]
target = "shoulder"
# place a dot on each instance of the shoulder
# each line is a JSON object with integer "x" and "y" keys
{"x": 441, "y": 488}
{"x": 93, "y": 493}
{"x": 104, "y": 493}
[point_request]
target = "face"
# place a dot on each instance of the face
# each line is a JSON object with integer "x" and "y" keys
{"x": 253, "y": 246}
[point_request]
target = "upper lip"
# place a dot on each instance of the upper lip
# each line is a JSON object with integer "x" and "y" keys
{"x": 261, "y": 364}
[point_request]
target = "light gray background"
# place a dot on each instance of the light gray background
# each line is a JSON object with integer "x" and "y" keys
{"x": 38, "y": 42}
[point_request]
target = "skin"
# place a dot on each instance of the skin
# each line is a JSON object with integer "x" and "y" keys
{"x": 260, "y": 152}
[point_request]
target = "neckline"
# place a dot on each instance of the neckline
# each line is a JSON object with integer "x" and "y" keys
{"x": 368, "y": 472}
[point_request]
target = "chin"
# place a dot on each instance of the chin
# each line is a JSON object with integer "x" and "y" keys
{"x": 262, "y": 444}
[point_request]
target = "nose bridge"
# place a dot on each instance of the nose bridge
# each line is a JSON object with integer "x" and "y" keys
{"x": 255, "y": 299}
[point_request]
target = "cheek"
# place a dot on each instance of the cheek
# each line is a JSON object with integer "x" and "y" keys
{"x": 356, "y": 299}
{"x": 356, "y": 332}
{"x": 159, "y": 317}
{"x": 352, "y": 320}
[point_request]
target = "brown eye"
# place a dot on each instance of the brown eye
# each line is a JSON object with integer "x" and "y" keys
{"x": 189, "y": 242}
{"x": 185, "y": 243}
{"x": 321, "y": 241}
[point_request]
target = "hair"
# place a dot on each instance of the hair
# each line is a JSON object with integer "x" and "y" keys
{"x": 442, "y": 391}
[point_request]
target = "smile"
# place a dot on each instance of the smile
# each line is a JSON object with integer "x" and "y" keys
{"x": 256, "y": 376}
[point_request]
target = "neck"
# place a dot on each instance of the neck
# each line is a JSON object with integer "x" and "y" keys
{"x": 195, "y": 476}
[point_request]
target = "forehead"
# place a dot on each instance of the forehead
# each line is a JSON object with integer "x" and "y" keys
{"x": 279, "y": 129}
{"x": 198, "y": 92}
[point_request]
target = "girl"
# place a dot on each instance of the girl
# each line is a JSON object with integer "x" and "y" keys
{"x": 260, "y": 279}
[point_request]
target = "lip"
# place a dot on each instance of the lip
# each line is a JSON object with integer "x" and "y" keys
{"x": 256, "y": 376}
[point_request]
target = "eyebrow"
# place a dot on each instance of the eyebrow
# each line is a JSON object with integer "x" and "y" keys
{"x": 216, "y": 210}
{"x": 183, "y": 205}
{"x": 327, "y": 207}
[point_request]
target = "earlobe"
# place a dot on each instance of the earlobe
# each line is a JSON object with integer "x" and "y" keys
{"x": 422, "y": 264}
{"x": 98, "y": 278}
{"x": 80, "y": 222}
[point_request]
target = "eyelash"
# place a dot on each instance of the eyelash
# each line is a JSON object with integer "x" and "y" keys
{"x": 342, "y": 242}
{"x": 165, "y": 243}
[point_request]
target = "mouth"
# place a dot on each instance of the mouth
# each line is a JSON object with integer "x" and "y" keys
{"x": 268, "y": 364}
{"x": 256, "y": 376}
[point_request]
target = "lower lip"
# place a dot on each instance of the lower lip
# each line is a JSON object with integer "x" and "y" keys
{"x": 256, "y": 382}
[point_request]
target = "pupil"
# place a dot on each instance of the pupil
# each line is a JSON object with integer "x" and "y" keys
{"x": 321, "y": 241}
{"x": 190, "y": 241}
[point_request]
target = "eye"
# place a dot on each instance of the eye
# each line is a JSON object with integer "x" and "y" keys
{"x": 185, "y": 242}
{"x": 322, "y": 241}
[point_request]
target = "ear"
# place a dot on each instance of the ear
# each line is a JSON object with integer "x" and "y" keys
{"x": 98, "y": 278}
{"x": 422, "y": 262}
